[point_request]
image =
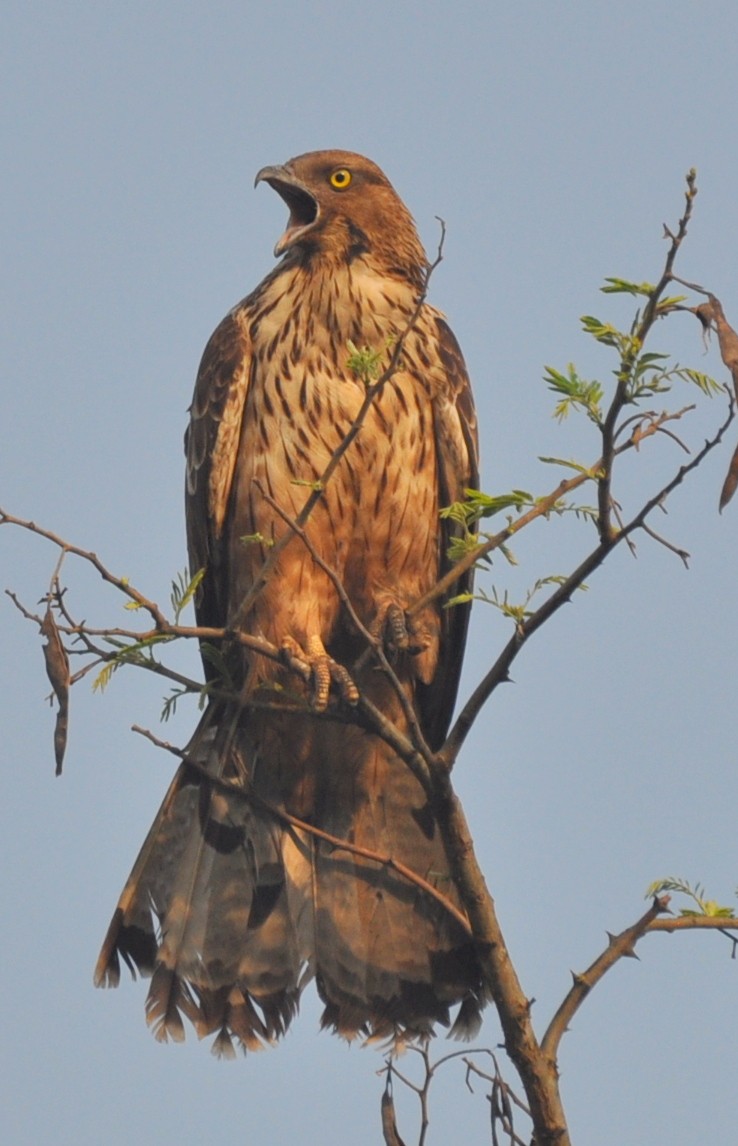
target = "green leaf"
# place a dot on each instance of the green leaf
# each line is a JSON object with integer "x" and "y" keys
{"x": 508, "y": 554}
{"x": 170, "y": 703}
{"x": 574, "y": 392}
{"x": 459, "y": 599}
{"x": 604, "y": 332}
{"x": 129, "y": 653}
{"x": 709, "y": 907}
{"x": 366, "y": 363}
{"x": 519, "y": 612}
{"x": 183, "y": 590}
{"x": 102, "y": 680}
{"x": 315, "y": 486}
{"x": 478, "y": 505}
{"x": 704, "y": 382}
{"x": 571, "y": 465}
{"x": 256, "y": 539}
{"x": 669, "y": 302}
{"x": 459, "y": 546}
{"x": 214, "y": 657}
{"x": 645, "y": 360}
{"x": 624, "y": 286}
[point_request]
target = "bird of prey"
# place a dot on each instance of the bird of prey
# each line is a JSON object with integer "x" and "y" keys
{"x": 231, "y": 907}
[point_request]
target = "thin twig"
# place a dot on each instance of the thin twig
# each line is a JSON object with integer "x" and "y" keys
{"x": 681, "y": 553}
{"x": 120, "y": 583}
{"x": 164, "y": 744}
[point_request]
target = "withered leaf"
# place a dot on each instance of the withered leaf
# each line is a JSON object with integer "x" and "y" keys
{"x": 731, "y": 482}
{"x": 728, "y": 340}
{"x": 57, "y": 670}
{"x": 389, "y": 1125}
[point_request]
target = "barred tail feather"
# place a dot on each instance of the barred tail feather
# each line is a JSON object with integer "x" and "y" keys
{"x": 231, "y": 910}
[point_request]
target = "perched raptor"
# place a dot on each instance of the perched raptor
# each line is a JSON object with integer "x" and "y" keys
{"x": 230, "y": 907}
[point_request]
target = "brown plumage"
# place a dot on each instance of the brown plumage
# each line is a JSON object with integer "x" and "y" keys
{"x": 228, "y": 908}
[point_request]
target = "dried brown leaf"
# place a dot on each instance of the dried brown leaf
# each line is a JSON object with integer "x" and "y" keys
{"x": 57, "y": 670}
{"x": 711, "y": 314}
{"x": 389, "y": 1124}
{"x": 728, "y": 340}
{"x": 731, "y": 482}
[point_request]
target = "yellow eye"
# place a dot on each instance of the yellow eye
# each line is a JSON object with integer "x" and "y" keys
{"x": 340, "y": 179}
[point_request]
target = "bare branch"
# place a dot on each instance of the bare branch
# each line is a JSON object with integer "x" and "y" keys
{"x": 501, "y": 980}
{"x": 681, "y": 553}
{"x": 375, "y": 857}
{"x": 120, "y": 583}
{"x": 164, "y": 744}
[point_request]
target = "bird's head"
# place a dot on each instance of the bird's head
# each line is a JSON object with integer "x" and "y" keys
{"x": 342, "y": 205}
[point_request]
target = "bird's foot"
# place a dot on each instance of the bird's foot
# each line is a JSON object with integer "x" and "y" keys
{"x": 398, "y": 633}
{"x": 318, "y": 668}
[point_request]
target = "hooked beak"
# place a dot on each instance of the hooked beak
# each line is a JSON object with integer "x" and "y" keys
{"x": 303, "y": 206}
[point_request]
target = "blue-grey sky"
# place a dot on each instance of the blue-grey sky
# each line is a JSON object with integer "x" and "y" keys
{"x": 553, "y": 139}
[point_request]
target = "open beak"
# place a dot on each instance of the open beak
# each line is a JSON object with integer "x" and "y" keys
{"x": 303, "y": 207}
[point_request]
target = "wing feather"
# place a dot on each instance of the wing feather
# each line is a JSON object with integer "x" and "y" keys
{"x": 211, "y": 446}
{"x": 457, "y": 459}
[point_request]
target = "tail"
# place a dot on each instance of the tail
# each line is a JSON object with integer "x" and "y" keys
{"x": 282, "y": 854}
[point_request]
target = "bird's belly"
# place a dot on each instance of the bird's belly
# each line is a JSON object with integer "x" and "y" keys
{"x": 374, "y": 525}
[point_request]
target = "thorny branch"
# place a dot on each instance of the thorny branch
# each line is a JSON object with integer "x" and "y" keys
{"x": 619, "y": 946}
